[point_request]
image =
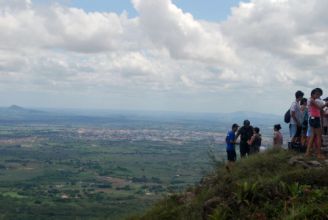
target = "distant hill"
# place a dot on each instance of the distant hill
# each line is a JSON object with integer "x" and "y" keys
{"x": 272, "y": 185}
{"x": 15, "y": 113}
{"x": 15, "y": 109}
{"x": 202, "y": 121}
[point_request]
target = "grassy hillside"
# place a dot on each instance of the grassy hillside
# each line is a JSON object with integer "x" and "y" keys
{"x": 273, "y": 185}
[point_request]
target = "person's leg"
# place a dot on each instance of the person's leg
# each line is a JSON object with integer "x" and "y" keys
{"x": 242, "y": 150}
{"x": 248, "y": 149}
{"x": 310, "y": 142}
{"x": 298, "y": 133}
{"x": 231, "y": 159}
{"x": 318, "y": 134}
{"x": 303, "y": 138}
{"x": 292, "y": 132}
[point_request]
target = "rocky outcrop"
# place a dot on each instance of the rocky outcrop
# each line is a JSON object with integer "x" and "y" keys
{"x": 307, "y": 163}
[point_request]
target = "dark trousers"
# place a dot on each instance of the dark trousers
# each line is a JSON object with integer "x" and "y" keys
{"x": 244, "y": 149}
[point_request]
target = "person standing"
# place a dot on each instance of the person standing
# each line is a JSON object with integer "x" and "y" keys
{"x": 277, "y": 137}
{"x": 315, "y": 107}
{"x": 245, "y": 133}
{"x": 295, "y": 126}
{"x": 305, "y": 121}
{"x": 255, "y": 141}
{"x": 325, "y": 119}
{"x": 230, "y": 141}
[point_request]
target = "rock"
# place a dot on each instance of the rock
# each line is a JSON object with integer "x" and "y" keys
{"x": 305, "y": 165}
{"x": 209, "y": 205}
{"x": 187, "y": 197}
{"x": 314, "y": 163}
{"x": 295, "y": 159}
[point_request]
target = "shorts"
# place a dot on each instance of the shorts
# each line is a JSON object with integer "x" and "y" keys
{"x": 294, "y": 130}
{"x": 231, "y": 155}
{"x": 315, "y": 122}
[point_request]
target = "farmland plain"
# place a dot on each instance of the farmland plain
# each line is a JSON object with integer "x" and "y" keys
{"x": 108, "y": 167}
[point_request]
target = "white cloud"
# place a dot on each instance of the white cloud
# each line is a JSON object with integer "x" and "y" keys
{"x": 264, "y": 46}
{"x": 184, "y": 37}
{"x": 290, "y": 35}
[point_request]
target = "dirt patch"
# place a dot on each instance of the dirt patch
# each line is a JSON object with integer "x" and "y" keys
{"x": 28, "y": 141}
{"x": 116, "y": 182}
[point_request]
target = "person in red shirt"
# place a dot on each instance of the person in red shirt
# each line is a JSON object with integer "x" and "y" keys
{"x": 315, "y": 108}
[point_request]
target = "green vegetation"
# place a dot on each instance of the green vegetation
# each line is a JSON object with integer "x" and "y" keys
{"x": 92, "y": 171}
{"x": 264, "y": 186}
{"x": 58, "y": 166}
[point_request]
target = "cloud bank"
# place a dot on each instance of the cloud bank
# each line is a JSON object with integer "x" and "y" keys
{"x": 265, "y": 48}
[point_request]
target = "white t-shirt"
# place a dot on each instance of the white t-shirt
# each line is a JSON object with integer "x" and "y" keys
{"x": 319, "y": 102}
{"x": 295, "y": 107}
{"x": 325, "y": 117}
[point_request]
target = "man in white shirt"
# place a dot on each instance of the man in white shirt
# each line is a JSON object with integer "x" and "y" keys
{"x": 325, "y": 118}
{"x": 295, "y": 125}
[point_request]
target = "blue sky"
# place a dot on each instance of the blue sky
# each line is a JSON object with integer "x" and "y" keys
{"x": 211, "y": 10}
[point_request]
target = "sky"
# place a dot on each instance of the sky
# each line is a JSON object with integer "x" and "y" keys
{"x": 162, "y": 55}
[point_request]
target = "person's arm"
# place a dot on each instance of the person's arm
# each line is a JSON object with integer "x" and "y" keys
{"x": 251, "y": 141}
{"x": 313, "y": 102}
{"x": 275, "y": 138}
{"x": 325, "y": 112}
{"x": 238, "y": 133}
{"x": 232, "y": 140}
{"x": 293, "y": 114}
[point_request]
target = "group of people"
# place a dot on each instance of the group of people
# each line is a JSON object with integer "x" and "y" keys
{"x": 308, "y": 121}
{"x": 250, "y": 140}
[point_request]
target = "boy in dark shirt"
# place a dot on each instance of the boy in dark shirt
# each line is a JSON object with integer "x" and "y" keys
{"x": 245, "y": 132}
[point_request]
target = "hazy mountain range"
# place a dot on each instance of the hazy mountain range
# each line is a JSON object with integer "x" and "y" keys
{"x": 15, "y": 112}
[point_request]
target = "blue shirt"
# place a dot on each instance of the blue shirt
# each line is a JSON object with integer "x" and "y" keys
{"x": 230, "y": 138}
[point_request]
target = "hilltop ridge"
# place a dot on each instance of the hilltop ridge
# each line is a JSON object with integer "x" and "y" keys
{"x": 15, "y": 108}
{"x": 274, "y": 185}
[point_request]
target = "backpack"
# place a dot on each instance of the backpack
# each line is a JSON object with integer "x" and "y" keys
{"x": 287, "y": 116}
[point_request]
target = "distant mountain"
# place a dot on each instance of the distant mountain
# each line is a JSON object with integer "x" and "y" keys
{"x": 18, "y": 110}
{"x": 15, "y": 109}
{"x": 16, "y": 113}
